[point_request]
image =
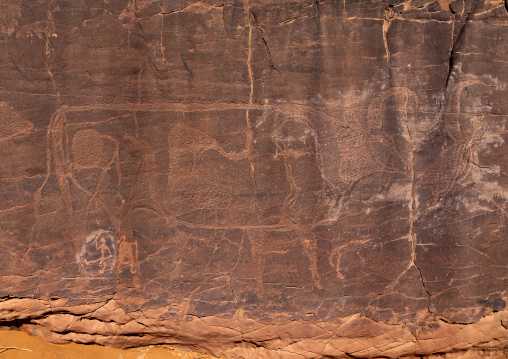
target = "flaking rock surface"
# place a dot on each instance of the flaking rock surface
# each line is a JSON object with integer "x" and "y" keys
{"x": 256, "y": 178}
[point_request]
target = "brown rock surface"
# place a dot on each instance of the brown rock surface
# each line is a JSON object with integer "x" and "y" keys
{"x": 263, "y": 178}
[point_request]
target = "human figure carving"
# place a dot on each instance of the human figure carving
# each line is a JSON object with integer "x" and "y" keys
{"x": 100, "y": 244}
{"x": 127, "y": 256}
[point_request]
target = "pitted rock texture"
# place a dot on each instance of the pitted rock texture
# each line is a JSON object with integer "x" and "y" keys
{"x": 263, "y": 178}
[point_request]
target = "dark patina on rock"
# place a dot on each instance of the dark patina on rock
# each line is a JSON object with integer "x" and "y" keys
{"x": 255, "y": 178}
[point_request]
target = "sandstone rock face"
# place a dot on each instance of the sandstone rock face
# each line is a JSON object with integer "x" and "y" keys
{"x": 256, "y": 178}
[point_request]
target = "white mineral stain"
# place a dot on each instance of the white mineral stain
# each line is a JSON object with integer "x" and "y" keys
{"x": 101, "y": 242}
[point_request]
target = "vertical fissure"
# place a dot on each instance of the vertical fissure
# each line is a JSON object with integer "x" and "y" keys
{"x": 47, "y": 50}
{"x": 387, "y": 21}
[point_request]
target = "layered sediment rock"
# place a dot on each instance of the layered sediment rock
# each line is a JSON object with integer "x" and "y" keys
{"x": 256, "y": 178}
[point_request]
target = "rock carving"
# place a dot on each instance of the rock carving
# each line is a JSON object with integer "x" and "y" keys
{"x": 256, "y": 179}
